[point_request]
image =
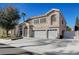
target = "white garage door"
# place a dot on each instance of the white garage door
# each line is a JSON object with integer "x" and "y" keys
{"x": 52, "y": 34}
{"x": 40, "y": 34}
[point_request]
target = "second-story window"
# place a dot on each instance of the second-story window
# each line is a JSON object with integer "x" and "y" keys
{"x": 53, "y": 19}
{"x": 36, "y": 21}
{"x": 43, "y": 20}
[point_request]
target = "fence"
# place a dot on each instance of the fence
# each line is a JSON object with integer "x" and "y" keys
{"x": 69, "y": 35}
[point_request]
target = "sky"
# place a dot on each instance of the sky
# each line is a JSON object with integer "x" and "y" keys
{"x": 69, "y": 10}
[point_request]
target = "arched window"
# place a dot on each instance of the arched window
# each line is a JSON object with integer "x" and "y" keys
{"x": 53, "y": 19}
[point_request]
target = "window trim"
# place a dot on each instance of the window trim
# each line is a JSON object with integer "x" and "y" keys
{"x": 43, "y": 20}
{"x": 53, "y": 30}
{"x": 35, "y": 21}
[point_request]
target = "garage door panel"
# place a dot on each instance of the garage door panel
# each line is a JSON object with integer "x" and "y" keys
{"x": 52, "y": 34}
{"x": 40, "y": 34}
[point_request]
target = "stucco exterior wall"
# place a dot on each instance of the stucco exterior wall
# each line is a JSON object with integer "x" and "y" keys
{"x": 39, "y": 25}
{"x": 62, "y": 26}
{"x": 55, "y": 23}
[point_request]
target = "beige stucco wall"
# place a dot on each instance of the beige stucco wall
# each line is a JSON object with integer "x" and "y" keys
{"x": 56, "y": 23}
{"x": 48, "y": 22}
{"x": 39, "y": 25}
{"x": 62, "y": 26}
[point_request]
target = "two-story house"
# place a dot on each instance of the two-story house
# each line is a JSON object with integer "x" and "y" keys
{"x": 51, "y": 25}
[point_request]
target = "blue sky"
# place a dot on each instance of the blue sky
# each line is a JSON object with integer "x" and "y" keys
{"x": 70, "y": 11}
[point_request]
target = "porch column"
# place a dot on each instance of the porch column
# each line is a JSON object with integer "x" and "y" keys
{"x": 18, "y": 32}
{"x": 28, "y": 32}
{"x": 23, "y": 31}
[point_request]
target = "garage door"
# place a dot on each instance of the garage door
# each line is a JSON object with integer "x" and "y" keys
{"x": 40, "y": 34}
{"x": 52, "y": 34}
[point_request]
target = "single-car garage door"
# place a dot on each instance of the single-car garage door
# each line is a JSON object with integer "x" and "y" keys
{"x": 52, "y": 34}
{"x": 40, "y": 34}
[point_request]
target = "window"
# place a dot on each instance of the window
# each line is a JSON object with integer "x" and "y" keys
{"x": 43, "y": 20}
{"x": 36, "y": 21}
{"x": 53, "y": 19}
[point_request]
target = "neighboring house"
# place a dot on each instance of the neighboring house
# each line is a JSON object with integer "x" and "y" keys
{"x": 51, "y": 25}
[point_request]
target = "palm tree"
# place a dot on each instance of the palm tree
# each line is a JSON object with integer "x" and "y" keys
{"x": 23, "y": 15}
{"x": 68, "y": 29}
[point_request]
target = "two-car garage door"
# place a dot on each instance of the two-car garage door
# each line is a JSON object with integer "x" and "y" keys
{"x": 50, "y": 34}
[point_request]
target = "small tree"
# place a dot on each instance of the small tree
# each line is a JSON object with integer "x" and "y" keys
{"x": 68, "y": 29}
{"x": 9, "y": 18}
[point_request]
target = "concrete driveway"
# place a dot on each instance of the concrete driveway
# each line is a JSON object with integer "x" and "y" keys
{"x": 46, "y": 47}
